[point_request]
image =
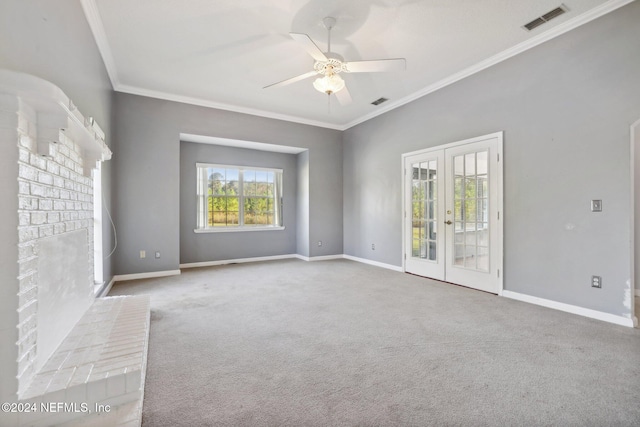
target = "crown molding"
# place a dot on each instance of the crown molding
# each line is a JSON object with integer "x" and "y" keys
{"x": 95, "y": 22}
{"x": 134, "y": 90}
{"x": 554, "y": 32}
{"x": 94, "y": 19}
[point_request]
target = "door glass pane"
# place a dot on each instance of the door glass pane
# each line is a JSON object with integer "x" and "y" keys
{"x": 458, "y": 255}
{"x": 458, "y": 165}
{"x": 470, "y": 188}
{"x": 483, "y": 210}
{"x": 483, "y": 259}
{"x": 482, "y": 164}
{"x": 432, "y": 251}
{"x": 483, "y": 234}
{"x": 424, "y": 210}
{"x": 415, "y": 248}
{"x": 423, "y": 248}
{"x": 471, "y": 211}
{"x": 470, "y": 164}
{"x": 470, "y": 257}
{"x": 482, "y": 186}
{"x": 432, "y": 230}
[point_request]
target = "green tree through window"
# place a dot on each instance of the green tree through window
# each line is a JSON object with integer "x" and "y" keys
{"x": 233, "y": 196}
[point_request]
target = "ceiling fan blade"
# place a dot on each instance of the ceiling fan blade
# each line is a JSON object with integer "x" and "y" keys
{"x": 308, "y": 44}
{"x": 397, "y": 64}
{"x": 293, "y": 79}
{"x": 343, "y": 96}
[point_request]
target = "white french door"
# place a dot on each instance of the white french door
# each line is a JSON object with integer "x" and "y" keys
{"x": 453, "y": 204}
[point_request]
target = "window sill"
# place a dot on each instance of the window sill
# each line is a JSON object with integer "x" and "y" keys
{"x": 235, "y": 229}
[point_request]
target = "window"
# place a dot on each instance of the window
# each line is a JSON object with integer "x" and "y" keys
{"x": 232, "y": 198}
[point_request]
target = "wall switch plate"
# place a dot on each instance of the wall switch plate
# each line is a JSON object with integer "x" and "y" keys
{"x": 157, "y": 254}
{"x": 596, "y": 281}
{"x": 319, "y": 243}
{"x": 596, "y": 206}
{"x": 143, "y": 254}
{"x": 373, "y": 246}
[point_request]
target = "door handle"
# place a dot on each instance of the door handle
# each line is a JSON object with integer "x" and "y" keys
{"x": 448, "y": 222}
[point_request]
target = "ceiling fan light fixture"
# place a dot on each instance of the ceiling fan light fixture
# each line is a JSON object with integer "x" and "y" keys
{"x": 329, "y": 84}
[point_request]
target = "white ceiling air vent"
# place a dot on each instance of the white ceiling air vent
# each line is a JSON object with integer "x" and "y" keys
{"x": 379, "y": 101}
{"x": 546, "y": 17}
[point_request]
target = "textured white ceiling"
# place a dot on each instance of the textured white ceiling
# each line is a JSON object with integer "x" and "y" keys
{"x": 223, "y": 52}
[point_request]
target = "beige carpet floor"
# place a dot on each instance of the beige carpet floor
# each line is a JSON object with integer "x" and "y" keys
{"x": 338, "y": 343}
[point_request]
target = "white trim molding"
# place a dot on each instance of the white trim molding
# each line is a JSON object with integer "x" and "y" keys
{"x": 149, "y": 275}
{"x": 94, "y": 19}
{"x": 375, "y": 263}
{"x": 288, "y": 256}
{"x": 104, "y": 290}
{"x": 236, "y": 229}
{"x": 554, "y": 32}
{"x": 319, "y": 258}
{"x": 236, "y": 261}
{"x": 91, "y": 11}
{"x": 135, "y": 90}
{"x": 568, "y": 308}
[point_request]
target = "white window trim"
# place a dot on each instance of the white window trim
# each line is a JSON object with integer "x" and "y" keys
{"x": 236, "y": 229}
{"x": 98, "y": 263}
{"x": 241, "y": 228}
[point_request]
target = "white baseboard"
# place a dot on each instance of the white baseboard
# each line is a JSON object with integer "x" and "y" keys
{"x": 319, "y": 258}
{"x": 298, "y": 256}
{"x": 376, "y": 263}
{"x": 150, "y": 275}
{"x": 237, "y": 261}
{"x": 105, "y": 290}
{"x": 574, "y": 309}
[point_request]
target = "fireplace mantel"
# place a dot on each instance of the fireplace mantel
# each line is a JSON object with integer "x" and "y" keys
{"x": 56, "y": 112}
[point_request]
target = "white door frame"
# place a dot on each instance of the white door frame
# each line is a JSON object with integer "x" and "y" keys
{"x": 500, "y": 223}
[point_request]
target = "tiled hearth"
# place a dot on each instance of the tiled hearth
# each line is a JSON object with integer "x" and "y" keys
{"x": 101, "y": 364}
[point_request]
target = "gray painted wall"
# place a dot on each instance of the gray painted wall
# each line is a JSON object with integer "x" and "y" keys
{"x": 566, "y": 107}
{"x": 53, "y": 41}
{"x": 147, "y": 174}
{"x": 636, "y": 219}
{"x": 199, "y": 247}
{"x": 302, "y": 207}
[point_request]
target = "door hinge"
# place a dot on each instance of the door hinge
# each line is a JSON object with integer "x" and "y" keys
{"x": 498, "y": 272}
{"x": 498, "y": 156}
{"x": 405, "y": 256}
{"x": 498, "y": 215}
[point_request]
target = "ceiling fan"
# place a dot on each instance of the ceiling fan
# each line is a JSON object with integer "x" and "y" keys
{"x": 329, "y": 65}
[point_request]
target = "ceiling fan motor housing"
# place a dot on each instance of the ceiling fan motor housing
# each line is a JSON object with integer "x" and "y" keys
{"x": 333, "y": 65}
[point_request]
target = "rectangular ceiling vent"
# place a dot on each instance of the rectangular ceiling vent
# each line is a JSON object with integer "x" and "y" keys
{"x": 546, "y": 17}
{"x": 379, "y": 101}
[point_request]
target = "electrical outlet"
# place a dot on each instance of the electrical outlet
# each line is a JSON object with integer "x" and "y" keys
{"x": 157, "y": 254}
{"x": 143, "y": 254}
{"x": 596, "y": 281}
{"x": 596, "y": 206}
{"x": 319, "y": 243}
{"x": 373, "y": 246}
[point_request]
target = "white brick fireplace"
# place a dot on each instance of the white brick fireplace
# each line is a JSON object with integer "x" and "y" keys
{"x": 56, "y": 342}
